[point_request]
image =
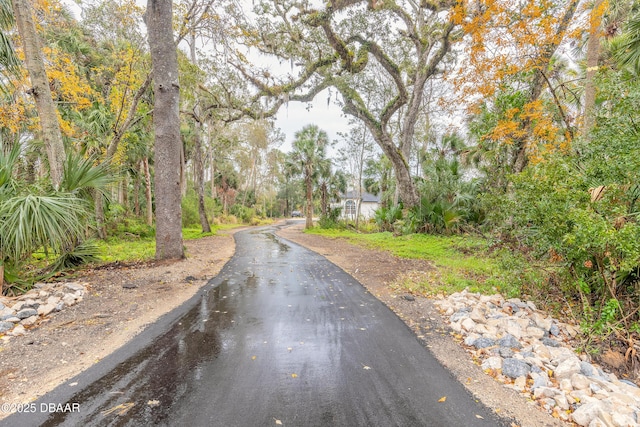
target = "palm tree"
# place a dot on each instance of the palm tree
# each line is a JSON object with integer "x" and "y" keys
{"x": 309, "y": 159}
{"x": 626, "y": 47}
{"x": 9, "y": 62}
{"x": 332, "y": 185}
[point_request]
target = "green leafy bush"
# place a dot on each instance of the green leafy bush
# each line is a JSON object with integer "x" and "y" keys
{"x": 579, "y": 210}
{"x": 243, "y": 213}
{"x": 386, "y": 217}
{"x": 331, "y": 220}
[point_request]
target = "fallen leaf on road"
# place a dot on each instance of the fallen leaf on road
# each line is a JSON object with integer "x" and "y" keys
{"x": 120, "y": 409}
{"x": 153, "y": 402}
{"x": 253, "y": 357}
{"x": 294, "y": 375}
{"x": 442, "y": 399}
{"x": 366, "y": 367}
{"x": 289, "y": 348}
{"x": 278, "y": 422}
{"x": 479, "y": 416}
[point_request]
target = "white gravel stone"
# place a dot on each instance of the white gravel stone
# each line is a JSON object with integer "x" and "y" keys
{"x": 590, "y": 411}
{"x": 541, "y": 392}
{"x": 477, "y": 315}
{"x": 534, "y": 332}
{"x": 541, "y": 321}
{"x": 494, "y": 362}
{"x": 73, "y": 287}
{"x": 565, "y": 385}
{"x": 18, "y": 306}
{"x": 623, "y": 420}
{"x": 468, "y": 324}
{"x": 579, "y": 382}
{"x": 29, "y": 321}
{"x": 520, "y": 383}
{"x": 567, "y": 368}
{"x": 19, "y": 330}
{"x": 560, "y": 354}
{"x": 456, "y": 327}
{"x": 5, "y": 312}
{"x": 561, "y": 401}
{"x": 596, "y": 398}
{"x": 69, "y": 300}
{"x": 46, "y": 309}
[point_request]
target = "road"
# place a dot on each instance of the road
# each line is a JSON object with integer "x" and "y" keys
{"x": 280, "y": 337}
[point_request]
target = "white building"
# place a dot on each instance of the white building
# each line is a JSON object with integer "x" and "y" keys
{"x": 349, "y": 202}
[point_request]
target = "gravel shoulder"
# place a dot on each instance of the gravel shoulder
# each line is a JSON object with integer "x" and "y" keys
{"x": 123, "y": 299}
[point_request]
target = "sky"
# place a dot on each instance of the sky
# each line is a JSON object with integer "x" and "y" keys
{"x": 294, "y": 116}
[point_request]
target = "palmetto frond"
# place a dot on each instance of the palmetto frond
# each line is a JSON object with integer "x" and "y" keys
{"x": 626, "y": 47}
{"x": 82, "y": 176}
{"x": 29, "y": 222}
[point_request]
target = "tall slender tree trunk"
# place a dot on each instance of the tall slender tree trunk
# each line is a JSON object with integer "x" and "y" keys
{"x": 593, "y": 56}
{"x": 124, "y": 192}
{"x": 166, "y": 124}
{"x": 99, "y": 211}
{"x": 183, "y": 171}
{"x": 360, "y": 167}
{"x": 309, "y": 185}
{"x": 148, "y": 194}
{"x": 198, "y": 175}
{"x": 136, "y": 195}
{"x": 323, "y": 195}
{"x": 40, "y": 90}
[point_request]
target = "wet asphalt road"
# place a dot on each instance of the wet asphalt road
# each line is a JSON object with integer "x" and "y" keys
{"x": 280, "y": 337}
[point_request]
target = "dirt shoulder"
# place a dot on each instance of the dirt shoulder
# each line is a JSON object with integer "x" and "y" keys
{"x": 123, "y": 299}
{"x": 120, "y": 301}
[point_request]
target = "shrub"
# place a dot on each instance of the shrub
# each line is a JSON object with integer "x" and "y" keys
{"x": 331, "y": 220}
{"x": 243, "y": 213}
{"x": 385, "y": 218}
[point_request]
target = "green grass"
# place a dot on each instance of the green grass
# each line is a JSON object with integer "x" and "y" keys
{"x": 126, "y": 250}
{"x": 129, "y": 248}
{"x": 460, "y": 261}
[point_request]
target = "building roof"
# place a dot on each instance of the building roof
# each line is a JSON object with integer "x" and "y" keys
{"x": 366, "y": 197}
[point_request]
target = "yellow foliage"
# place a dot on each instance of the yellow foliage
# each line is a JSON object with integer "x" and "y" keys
{"x": 67, "y": 85}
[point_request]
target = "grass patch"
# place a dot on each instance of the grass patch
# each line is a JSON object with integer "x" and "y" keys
{"x": 196, "y": 233}
{"x": 460, "y": 261}
{"x": 126, "y": 250}
{"x": 127, "y": 247}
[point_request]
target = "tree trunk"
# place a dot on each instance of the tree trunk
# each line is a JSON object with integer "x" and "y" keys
{"x": 136, "y": 192}
{"x": 309, "y": 184}
{"x": 593, "y": 55}
{"x": 40, "y": 90}
{"x": 166, "y": 124}
{"x": 399, "y": 162}
{"x": 99, "y": 211}
{"x": 323, "y": 200}
{"x": 198, "y": 175}
{"x": 125, "y": 192}
{"x": 148, "y": 196}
